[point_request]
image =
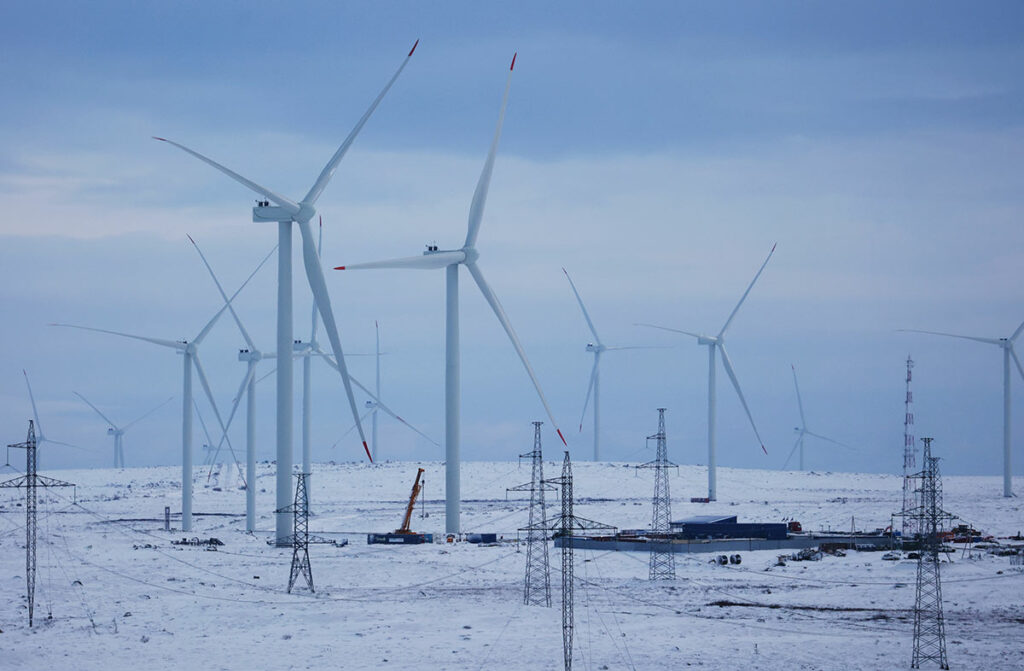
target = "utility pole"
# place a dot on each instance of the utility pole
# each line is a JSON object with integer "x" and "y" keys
{"x": 909, "y": 461}
{"x": 537, "y": 582}
{"x": 929, "y": 624}
{"x": 662, "y": 562}
{"x": 565, "y": 524}
{"x": 30, "y": 481}
{"x": 299, "y": 539}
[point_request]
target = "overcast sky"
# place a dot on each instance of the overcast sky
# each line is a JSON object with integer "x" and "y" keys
{"x": 656, "y": 151}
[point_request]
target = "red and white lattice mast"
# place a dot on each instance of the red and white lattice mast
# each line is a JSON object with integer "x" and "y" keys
{"x": 909, "y": 459}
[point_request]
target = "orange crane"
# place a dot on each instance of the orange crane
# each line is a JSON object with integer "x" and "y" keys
{"x": 403, "y": 535}
{"x": 416, "y": 488}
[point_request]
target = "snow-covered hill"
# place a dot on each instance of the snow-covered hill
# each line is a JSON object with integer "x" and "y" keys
{"x": 122, "y": 596}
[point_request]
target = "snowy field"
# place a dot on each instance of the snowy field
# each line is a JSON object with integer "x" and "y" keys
{"x": 121, "y": 596}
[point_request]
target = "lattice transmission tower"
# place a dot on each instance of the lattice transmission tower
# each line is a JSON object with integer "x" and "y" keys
{"x": 299, "y": 539}
{"x": 929, "y": 624}
{"x": 565, "y": 525}
{"x": 909, "y": 518}
{"x": 662, "y": 562}
{"x": 31, "y": 481}
{"x": 537, "y": 582}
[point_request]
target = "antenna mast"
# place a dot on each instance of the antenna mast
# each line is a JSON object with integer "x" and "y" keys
{"x": 909, "y": 461}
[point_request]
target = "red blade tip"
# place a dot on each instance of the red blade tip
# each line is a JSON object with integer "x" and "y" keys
{"x": 764, "y": 450}
{"x": 339, "y": 267}
{"x": 413, "y": 48}
{"x": 562, "y": 437}
{"x": 190, "y": 238}
{"x": 367, "y": 449}
{"x": 513, "y": 66}
{"x": 159, "y": 138}
{"x": 773, "y": 246}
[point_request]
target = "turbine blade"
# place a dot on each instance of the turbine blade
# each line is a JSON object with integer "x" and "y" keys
{"x": 665, "y": 328}
{"x": 266, "y": 375}
{"x": 228, "y": 301}
{"x": 250, "y": 372}
{"x": 422, "y": 262}
{"x": 317, "y": 284}
{"x": 277, "y": 199}
{"x": 827, "y": 439}
{"x": 485, "y": 289}
{"x": 202, "y": 423}
{"x": 990, "y": 341}
{"x": 609, "y": 349}
{"x": 476, "y": 208}
{"x": 332, "y": 165}
{"x": 799, "y": 401}
{"x": 32, "y": 398}
{"x": 736, "y": 384}
{"x": 579, "y": 300}
{"x": 792, "y": 452}
{"x": 1020, "y": 369}
{"x": 131, "y": 424}
{"x": 223, "y": 294}
{"x": 590, "y": 389}
{"x": 155, "y": 341}
{"x": 745, "y": 293}
{"x": 105, "y": 418}
{"x": 334, "y": 364}
{"x": 1016, "y": 333}
{"x": 216, "y": 413}
{"x": 342, "y": 436}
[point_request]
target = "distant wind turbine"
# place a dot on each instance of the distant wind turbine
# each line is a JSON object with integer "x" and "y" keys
{"x": 190, "y": 357}
{"x": 802, "y": 430}
{"x": 1008, "y": 353}
{"x": 450, "y": 260}
{"x": 40, "y": 436}
{"x": 713, "y": 344}
{"x": 118, "y": 431}
{"x": 286, "y": 212}
{"x": 594, "y": 386}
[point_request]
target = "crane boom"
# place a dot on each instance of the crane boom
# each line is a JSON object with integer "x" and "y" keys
{"x": 416, "y": 487}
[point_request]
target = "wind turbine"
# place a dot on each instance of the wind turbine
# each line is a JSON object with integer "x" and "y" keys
{"x": 1008, "y": 352}
{"x": 190, "y": 357}
{"x": 450, "y": 260}
{"x": 713, "y": 344}
{"x": 598, "y": 348}
{"x": 40, "y": 436}
{"x": 374, "y": 405}
{"x": 286, "y": 212}
{"x": 118, "y": 431}
{"x": 802, "y": 430}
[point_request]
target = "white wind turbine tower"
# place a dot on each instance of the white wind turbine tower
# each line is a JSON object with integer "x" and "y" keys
{"x": 190, "y": 360}
{"x": 286, "y": 212}
{"x": 594, "y": 387}
{"x": 450, "y": 260}
{"x": 715, "y": 343}
{"x": 1008, "y": 353}
{"x": 802, "y": 430}
{"x": 118, "y": 431}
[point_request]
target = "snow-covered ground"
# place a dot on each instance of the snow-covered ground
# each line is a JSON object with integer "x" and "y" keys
{"x": 122, "y": 596}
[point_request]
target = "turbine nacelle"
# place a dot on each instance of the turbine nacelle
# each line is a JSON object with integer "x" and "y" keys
{"x": 249, "y": 355}
{"x": 271, "y": 214}
{"x": 708, "y": 340}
